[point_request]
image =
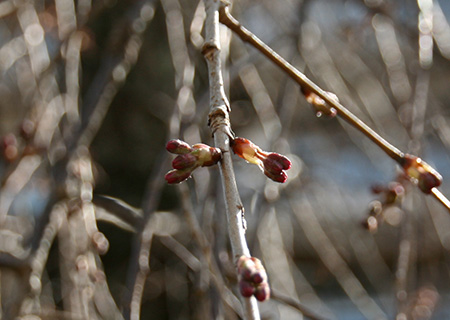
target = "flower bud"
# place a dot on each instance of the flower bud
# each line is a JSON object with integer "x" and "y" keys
{"x": 426, "y": 176}
{"x": 280, "y": 177}
{"x": 259, "y": 277}
{"x": 246, "y": 149}
{"x": 178, "y": 147}
{"x": 272, "y": 164}
{"x": 206, "y": 155}
{"x": 252, "y": 278}
{"x": 177, "y": 176}
{"x": 184, "y": 161}
{"x": 189, "y": 158}
{"x": 262, "y": 292}
{"x": 246, "y": 268}
{"x": 246, "y": 288}
{"x": 322, "y": 108}
{"x": 10, "y": 147}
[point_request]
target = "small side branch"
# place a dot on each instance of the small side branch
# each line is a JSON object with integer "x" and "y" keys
{"x": 327, "y": 99}
{"x": 306, "y": 84}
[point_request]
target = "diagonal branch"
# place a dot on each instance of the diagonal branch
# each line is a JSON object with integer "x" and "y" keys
{"x": 220, "y": 126}
{"x": 329, "y": 99}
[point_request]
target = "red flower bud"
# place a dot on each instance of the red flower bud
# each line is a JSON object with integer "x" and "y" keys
{"x": 262, "y": 292}
{"x": 189, "y": 158}
{"x": 184, "y": 161}
{"x": 280, "y": 177}
{"x": 259, "y": 277}
{"x": 252, "y": 278}
{"x": 10, "y": 147}
{"x": 177, "y": 176}
{"x": 272, "y": 164}
{"x": 246, "y": 288}
{"x": 178, "y": 147}
{"x": 421, "y": 172}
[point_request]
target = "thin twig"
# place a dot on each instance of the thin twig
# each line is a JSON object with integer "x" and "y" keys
{"x": 305, "y": 83}
{"x": 227, "y": 19}
{"x": 219, "y": 122}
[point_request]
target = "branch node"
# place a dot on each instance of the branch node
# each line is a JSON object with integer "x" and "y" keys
{"x": 219, "y": 120}
{"x": 209, "y": 49}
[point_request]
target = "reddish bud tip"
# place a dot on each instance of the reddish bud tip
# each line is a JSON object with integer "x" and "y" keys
{"x": 246, "y": 268}
{"x": 259, "y": 277}
{"x": 273, "y": 164}
{"x": 178, "y": 147}
{"x": 177, "y": 176}
{"x": 246, "y": 288}
{"x": 280, "y": 177}
{"x": 276, "y": 163}
{"x": 428, "y": 181}
{"x": 10, "y": 147}
{"x": 262, "y": 292}
{"x": 184, "y": 161}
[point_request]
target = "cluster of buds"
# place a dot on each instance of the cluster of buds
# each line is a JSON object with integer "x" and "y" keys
{"x": 252, "y": 278}
{"x": 385, "y": 209}
{"x": 321, "y": 107}
{"x": 272, "y": 164}
{"x": 14, "y": 146}
{"x": 189, "y": 158}
{"x": 421, "y": 173}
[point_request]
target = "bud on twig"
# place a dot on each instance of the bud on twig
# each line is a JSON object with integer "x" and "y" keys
{"x": 421, "y": 173}
{"x": 189, "y": 158}
{"x": 252, "y": 278}
{"x": 322, "y": 108}
{"x": 178, "y": 147}
{"x": 272, "y": 164}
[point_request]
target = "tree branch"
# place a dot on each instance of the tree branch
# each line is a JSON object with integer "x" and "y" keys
{"x": 220, "y": 127}
{"x": 330, "y": 100}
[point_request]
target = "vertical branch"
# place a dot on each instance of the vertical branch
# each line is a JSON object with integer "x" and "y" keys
{"x": 220, "y": 125}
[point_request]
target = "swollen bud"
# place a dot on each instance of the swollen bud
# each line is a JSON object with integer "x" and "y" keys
{"x": 322, "y": 108}
{"x": 177, "y": 176}
{"x": 271, "y": 163}
{"x": 178, "y": 147}
{"x": 184, "y": 161}
{"x": 262, "y": 292}
{"x": 252, "y": 278}
{"x": 189, "y": 158}
{"x": 246, "y": 288}
{"x": 421, "y": 172}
